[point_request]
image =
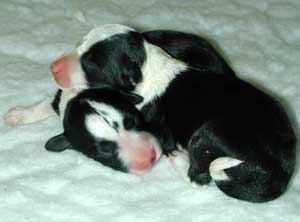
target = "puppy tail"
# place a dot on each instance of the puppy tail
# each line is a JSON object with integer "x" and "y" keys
{"x": 246, "y": 180}
{"x": 218, "y": 166}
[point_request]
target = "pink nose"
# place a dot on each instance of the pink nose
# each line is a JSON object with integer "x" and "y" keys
{"x": 144, "y": 159}
{"x": 57, "y": 66}
{"x": 61, "y": 69}
{"x": 140, "y": 151}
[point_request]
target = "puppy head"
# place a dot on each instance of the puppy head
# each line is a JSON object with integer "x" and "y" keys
{"x": 108, "y": 56}
{"x": 105, "y": 125}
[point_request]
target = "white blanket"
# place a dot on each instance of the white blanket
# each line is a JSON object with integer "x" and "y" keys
{"x": 259, "y": 38}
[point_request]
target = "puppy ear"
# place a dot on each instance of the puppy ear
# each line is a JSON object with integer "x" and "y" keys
{"x": 58, "y": 143}
{"x": 131, "y": 73}
{"x": 132, "y": 97}
{"x": 133, "y": 60}
{"x": 88, "y": 64}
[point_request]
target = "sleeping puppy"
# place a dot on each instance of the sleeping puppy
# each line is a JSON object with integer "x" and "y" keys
{"x": 105, "y": 126}
{"x": 230, "y": 131}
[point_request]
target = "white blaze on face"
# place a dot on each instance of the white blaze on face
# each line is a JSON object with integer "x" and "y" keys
{"x": 137, "y": 150}
{"x": 100, "y": 124}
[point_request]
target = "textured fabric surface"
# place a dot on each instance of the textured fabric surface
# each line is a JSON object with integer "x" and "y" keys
{"x": 259, "y": 38}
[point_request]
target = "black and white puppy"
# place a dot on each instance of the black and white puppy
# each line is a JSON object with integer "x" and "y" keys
{"x": 231, "y": 132}
{"x": 105, "y": 126}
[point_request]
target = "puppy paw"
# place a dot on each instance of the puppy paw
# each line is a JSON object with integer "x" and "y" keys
{"x": 179, "y": 159}
{"x": 15, "y": 116}
{"x": 199, "y": 180}
{"x": 197, "y": 185}
{"x": 180, "y": 162}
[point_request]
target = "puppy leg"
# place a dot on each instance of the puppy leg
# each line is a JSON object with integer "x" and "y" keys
{"x": 180, "y": 162}
{"x": 204, "y": 147}
{"x": 25, "y": 115}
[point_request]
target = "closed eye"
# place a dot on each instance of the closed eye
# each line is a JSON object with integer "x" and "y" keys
{"x": 129, "y": 123}
{"x": 106, "y": 149}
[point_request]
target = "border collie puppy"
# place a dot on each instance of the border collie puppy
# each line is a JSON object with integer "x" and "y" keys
{"x": 230, "y": 131}
{"x": 105, "y": 126}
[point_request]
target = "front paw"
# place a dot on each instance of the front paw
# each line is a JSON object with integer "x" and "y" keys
{"x": 180, "y": 162}
{"x": 15, "y": 117}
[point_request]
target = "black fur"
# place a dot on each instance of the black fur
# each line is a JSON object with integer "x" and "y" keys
{"x": 207, "y": 109}
{"x": 56, "y": 101}
{"x": 77, "y": 137}
{"x": 215, "y": 115}
{"x": 118, "y": 64}
{"x": 195, "y": 51}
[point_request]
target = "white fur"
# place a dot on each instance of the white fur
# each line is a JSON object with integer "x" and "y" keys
{"x": 66, "y": 96}
{"x": 78, "y": 77}
{"x": 96, "y": 124}
{"x": 181, "y": 163}
{"x": 100, "y": 33}
{"x": 25, "y": 115}
{"x": 217, "y": 167}
{"x": 158, "y": 71}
